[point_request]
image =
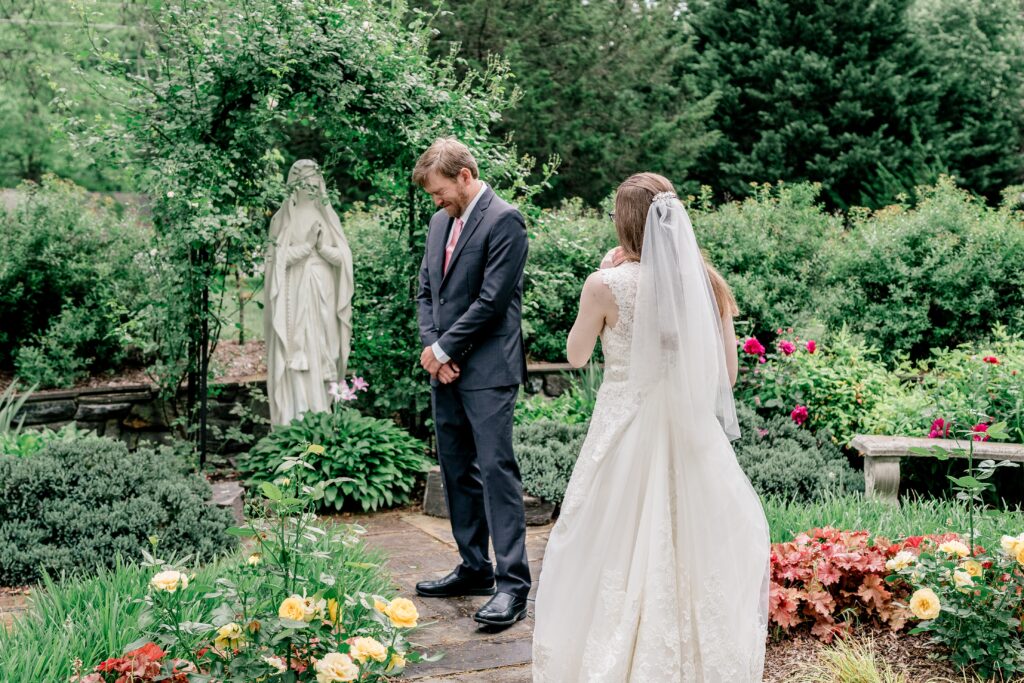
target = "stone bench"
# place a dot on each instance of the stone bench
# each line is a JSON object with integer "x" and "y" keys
{"x": 882, "y": 458}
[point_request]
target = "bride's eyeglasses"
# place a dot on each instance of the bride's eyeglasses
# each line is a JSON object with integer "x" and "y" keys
{"x": 611, "y": 215}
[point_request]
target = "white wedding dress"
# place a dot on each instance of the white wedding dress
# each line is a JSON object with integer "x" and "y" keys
{"x": 657, "y": 568}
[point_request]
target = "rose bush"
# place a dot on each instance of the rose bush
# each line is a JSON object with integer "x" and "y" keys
{"x": 272, "y": 617}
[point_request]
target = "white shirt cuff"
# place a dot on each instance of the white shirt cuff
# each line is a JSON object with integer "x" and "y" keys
{"x": 439, "y": 353}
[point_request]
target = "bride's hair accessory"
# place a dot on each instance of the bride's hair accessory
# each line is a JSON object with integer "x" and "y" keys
{"x": 663, "y": 196}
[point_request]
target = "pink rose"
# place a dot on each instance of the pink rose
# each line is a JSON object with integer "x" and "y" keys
{"x": 753, "y": 347}
{"x": 799, "y": 414}
{"x": 787, "y": 347}
{"x": 980, "y": 427}
{"x": 940, "y": 430}
{"x": 811, "y": 346}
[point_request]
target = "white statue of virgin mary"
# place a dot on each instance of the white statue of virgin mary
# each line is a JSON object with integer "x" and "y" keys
{"x": 307, "y": 310}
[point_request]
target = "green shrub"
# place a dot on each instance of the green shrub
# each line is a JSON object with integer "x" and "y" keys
{"x": 546, "y": 451}
{"x": 77, "y": 505}
{"x": 784, "y": 460}
{"x": 29, "y": 441}
{"x": 566, "y": 246}
{"x": 937, "y": 275}
{"x": 572, "y": 406}
{"x": 839, "y": 383}
{"x": 960, "y": 385}
{"x": 385, "y": 334}
{"x": 381, "y": 459}
{"x": 67, "y": 282}
{"x": 771, "y": 250}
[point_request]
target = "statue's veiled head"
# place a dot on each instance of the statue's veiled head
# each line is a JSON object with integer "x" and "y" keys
{"x": 306, "y": 182}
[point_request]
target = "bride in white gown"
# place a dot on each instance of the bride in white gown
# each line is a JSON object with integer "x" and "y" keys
{"x": 658, "y": 567}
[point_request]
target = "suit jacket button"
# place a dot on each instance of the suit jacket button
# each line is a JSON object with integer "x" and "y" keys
{"x": 442, "y": 301}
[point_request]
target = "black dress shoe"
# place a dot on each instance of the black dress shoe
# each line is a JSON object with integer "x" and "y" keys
{"x": 504, "y": 609}
{"x": 453, "y": 586}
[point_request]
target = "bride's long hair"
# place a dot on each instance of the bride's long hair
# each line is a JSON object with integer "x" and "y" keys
{"x": 632, "y": 201}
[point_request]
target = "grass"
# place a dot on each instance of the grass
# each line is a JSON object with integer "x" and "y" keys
{"x": 847, "y": 661}
{"x": 93, "y": 619}
{"x": 912, "y": 517}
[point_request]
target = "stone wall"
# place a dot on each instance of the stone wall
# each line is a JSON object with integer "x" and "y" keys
{"x": 139, "y": 416}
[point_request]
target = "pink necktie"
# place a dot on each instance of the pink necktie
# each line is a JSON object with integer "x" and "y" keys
{"x": 453, "y": 239}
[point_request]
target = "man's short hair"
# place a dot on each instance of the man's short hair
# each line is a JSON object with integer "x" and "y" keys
{"x": 448, "y": 156}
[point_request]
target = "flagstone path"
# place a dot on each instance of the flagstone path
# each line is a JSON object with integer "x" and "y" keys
{"x": 419, "y": 547}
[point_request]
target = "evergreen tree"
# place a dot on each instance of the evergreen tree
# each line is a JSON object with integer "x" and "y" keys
{"x": 831, "y": 92}
{"x": 602, "y": 82}
{"x": 975, "y": 53}
{"x": 869, "y": 97}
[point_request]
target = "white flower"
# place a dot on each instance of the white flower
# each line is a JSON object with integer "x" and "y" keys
{"x": 277, "y": 663}
{"x": 902, "y": 560}
{"x": 962, "y": 579}
{"x": 169, "y": 581}
{"x": 335, "y": 667}
{"x": 1012, "y": 545}
{"x": 170, "y": 194}
{"x": 958, "y": 548}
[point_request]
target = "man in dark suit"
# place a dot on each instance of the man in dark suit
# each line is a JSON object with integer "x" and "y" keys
{"x": 470, "y": 317}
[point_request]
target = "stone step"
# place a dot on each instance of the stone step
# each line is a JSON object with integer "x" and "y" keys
{"x": 538, "y": 512}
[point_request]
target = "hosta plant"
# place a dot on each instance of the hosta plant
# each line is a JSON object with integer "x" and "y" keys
{"x": 372, "y": 463}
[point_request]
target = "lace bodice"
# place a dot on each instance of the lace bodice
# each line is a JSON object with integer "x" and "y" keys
{"x": 616, "y": 341}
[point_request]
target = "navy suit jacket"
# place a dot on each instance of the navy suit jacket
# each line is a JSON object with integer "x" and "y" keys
{"x": 474, "y": 311}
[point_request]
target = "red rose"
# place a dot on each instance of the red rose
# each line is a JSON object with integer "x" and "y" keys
{"x": 753, "y": 347}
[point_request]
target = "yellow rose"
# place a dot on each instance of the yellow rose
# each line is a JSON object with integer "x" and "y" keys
{"x": 367, "y": 648}
{"x": 379, "y": 605}
{"x": 1012, "y": 545}
{"x": 229, "y": 637}
{"x": 396, "y": 664}
{"x": 958, "y": 548}
{"x": 255, "y": 559}
{"x": 924, "y": 603}
{"x": 962, "y": 580}
{"x": 332, "y": 610}
{"x": 973, "y": 568}
{"x": 169, "y": 581}
{"x": 1020, "y": 555}
{"x": 402, "y": 613}
{"x": 335, "y": 667}
{"x": 902, "y": 560}
{"x": 292, "y": 608}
